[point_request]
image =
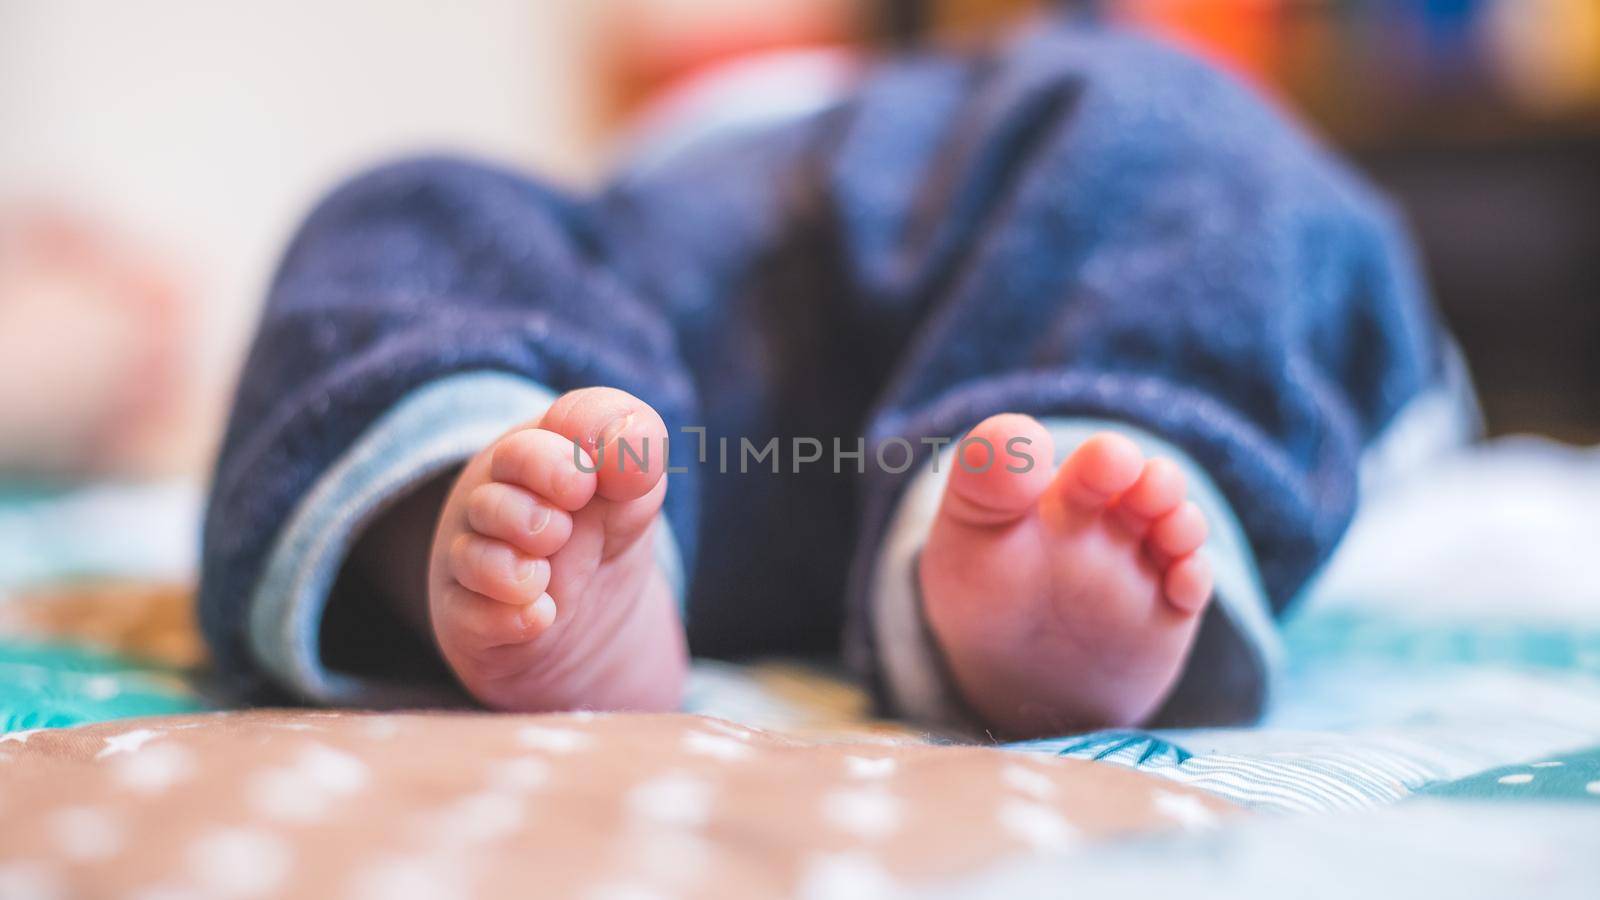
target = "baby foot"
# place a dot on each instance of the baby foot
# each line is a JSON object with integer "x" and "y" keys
{"x": 543, "y": 586}
{"x": 1063, "y": 599}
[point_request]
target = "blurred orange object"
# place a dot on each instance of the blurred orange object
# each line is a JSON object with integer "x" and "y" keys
{"x": 93, "y": 351}
{"x": 150, "y": 621}
{"x": 1241, "y": 35}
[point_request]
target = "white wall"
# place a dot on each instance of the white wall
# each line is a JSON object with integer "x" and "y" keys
{"x": 207, "y": 127}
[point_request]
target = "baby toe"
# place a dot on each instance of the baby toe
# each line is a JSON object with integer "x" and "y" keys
{"x": 1102, "y": 467}
{"x": 1187, "y": 583}
{"x": 514, "y": 515}
{"x": 547, "y": 464}
{"x": 1178, "y": 533}
{"x": 471, "y": 627}
{"x": 497, "y": 570}
{"x": 1158, "y": 491}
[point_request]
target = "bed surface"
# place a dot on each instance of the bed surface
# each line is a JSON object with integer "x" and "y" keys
{"x": 1440, "y": 707}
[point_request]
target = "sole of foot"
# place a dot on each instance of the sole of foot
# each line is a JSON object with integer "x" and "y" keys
{"x": 1063, "y": 597}
{"x": 544, "y": 589}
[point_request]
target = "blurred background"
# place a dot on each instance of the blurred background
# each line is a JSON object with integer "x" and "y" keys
{"x": 155, "y": 155}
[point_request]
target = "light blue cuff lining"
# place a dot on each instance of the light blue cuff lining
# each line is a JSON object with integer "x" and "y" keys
{"x": 913, "y": 672}
{"x": 1437, "y": 421}
{"x": 435, "y": 428}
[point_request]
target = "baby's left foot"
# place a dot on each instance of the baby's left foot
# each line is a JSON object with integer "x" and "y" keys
{"x": 1063, "y": 598}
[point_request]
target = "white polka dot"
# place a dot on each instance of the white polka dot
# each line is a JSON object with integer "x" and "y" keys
{"x": 868, "y": 814}
{"x": 1548, "y": 765}
{"x": 331, "y": 770}
{"x": 282, "y": 794}
{"x": 672, "y": 799}
{"x": 845, "y": 876}
{"x": 1185, "y": 809}
{"x": 1036, "y": 825}
{"x": 154, "y": 769}
{"x": 715, "y": 746}
{"x": 552, "y": 740}
{"x": 673, "y": 856}
{"x": 380, "y": 728}
{"x": 624, "y": 891}
{"x": 410, "y": 878}
{"x": 1592, "y": 787}
{"x": 1517, "y": 778}
{"x": 165, "y": 892}
{"x": 525, "y": 773}
{"x": 29, "y": 881}
{"x": 85, "y": 834}
{"x": 866, "y": 767}
{"x": 474, "y": 819}
{"x": 239, "y": 862}
{"x": 305, "y": 790}
{"x": 1037, "y": 785}
{"x": 126, "y": 742}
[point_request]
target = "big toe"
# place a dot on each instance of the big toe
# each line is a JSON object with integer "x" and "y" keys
{"x": 1000, "y": 469}
{"x": 624, "y": 436}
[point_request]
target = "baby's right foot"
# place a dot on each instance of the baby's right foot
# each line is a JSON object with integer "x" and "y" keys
{"x": 543, "y": 586}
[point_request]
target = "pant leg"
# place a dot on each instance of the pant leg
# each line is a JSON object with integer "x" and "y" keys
{"x": 1109, "y": 232}
{"x": 755, "y": 266}
{"x": 421, "y": 310}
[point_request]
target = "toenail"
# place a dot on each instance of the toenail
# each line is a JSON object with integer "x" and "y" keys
{"x": 613, "y": 429}
{"x": 524, "y": 568}
{"x": 540, "y": 613}
{"x": 540, "y": 518}
{"x": 541, "y": 571}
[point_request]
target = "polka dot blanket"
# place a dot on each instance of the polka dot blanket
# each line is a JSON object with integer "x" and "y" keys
{"x": 305, "y": 803}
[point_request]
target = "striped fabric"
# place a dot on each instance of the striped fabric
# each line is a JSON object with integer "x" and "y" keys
{"x": 1415, "y": 730}
{"x": 1321, "y": 772}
